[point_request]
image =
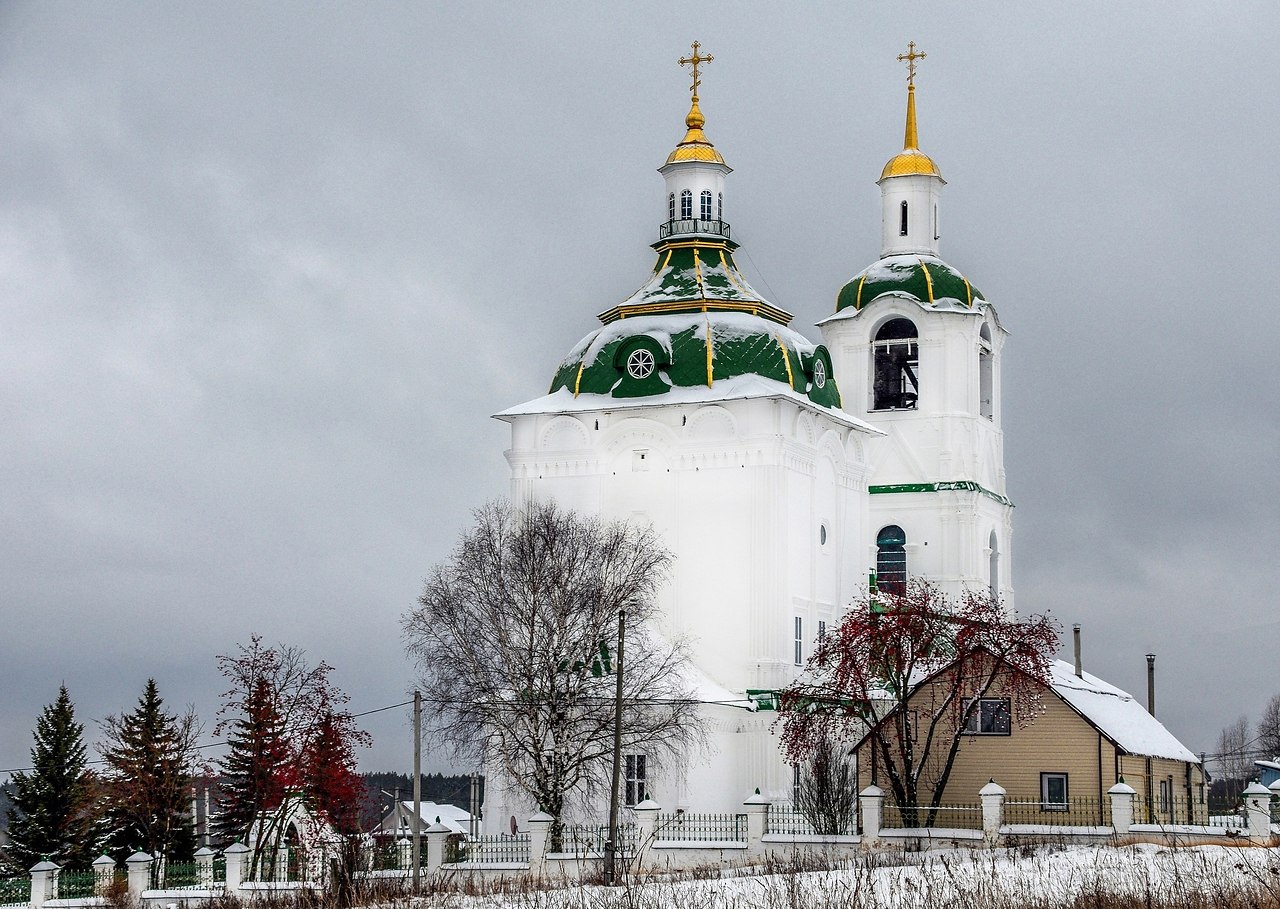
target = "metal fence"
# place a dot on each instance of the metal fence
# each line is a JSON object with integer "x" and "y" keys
{"x": 1074, "y": 812}
{"x": 498, "y": 848}
{"x": 785, "y": 818}
{"x": 718, "y": 828}
{"x": 590, "y": 840}
{"x": 74, "y": 885}
{"x": 15, "y": 890}
{"x": 1169, "y": 811}
{"x": 961, "y": 817}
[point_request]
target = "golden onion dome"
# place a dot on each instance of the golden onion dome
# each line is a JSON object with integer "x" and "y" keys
{"x": 910, "y": 160}
{"x": 695, "y": 146}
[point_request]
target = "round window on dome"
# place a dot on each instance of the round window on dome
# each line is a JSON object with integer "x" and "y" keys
{"x": 819, "y": 373}
{"x": 640, "y": 363}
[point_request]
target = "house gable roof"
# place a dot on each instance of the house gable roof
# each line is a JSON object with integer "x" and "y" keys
{"x": 1116, "y": 714}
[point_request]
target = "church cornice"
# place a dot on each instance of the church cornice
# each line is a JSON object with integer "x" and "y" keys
{"x": 945, "y": 486}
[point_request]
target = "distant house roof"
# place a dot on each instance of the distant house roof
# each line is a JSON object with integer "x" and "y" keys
{"x": 1116, "y": 714}
{"x": 455, "y": 818}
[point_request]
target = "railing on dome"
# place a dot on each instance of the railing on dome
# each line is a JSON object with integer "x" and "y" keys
{"x": 693, "y": 226}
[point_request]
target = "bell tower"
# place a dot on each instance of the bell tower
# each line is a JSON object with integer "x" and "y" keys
{"x": 916, "y": 349}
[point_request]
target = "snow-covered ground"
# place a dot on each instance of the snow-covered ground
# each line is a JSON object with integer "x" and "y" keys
{"x": 1000, "y": 879}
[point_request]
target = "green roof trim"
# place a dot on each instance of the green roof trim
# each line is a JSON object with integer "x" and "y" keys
{"x": 948, "y": 486}
{"x": 926, "y": 279}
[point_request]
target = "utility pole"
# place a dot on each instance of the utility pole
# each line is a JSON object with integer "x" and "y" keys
{"x": 417, "y": 789}
{"x": 611, "y": 848}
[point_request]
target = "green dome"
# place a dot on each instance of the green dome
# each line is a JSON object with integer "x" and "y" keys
{"x": 653, "y": 354}
{"x": 926, "y": 279}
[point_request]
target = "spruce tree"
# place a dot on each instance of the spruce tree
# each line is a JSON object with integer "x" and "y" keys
{"x": 54, "y": 814}
{"x": 258, "y": 769}
{"x": 150, "y": 753}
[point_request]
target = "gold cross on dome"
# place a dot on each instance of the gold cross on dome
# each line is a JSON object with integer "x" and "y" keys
{"x": 910, "y": 58}
{"x": 695, "y": 61}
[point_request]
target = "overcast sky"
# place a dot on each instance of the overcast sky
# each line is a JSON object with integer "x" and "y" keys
{"x": 266, "y": 270}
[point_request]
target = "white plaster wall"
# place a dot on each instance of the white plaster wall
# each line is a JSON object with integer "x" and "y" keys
{"x": 694, "y": 176}
{"x": 922, "y": 194}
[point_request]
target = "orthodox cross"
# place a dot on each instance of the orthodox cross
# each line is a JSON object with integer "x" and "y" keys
{"x": 695, "y": 61}
{"x": 910, "y": 58}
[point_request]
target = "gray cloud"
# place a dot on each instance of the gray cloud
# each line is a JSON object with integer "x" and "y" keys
{"x": 269, "y": 269}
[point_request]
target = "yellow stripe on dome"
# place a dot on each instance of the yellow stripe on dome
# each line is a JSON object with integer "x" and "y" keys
{"x": 577, "y": 383}
{"x": 928, "y": 279}
{"x": 697, "y": 271}
{"x": 786, "y": 359}
{"x": 857, "y": 304}
{"x": 968, "y": 291}
{"x": 710, "y": 375}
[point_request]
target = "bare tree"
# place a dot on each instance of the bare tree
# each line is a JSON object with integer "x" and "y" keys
{"x": 1269, "y": 728}
{"x": 827, "y": 794}
{"x": 1234, "y": 757}
{"x": 908, "y": 674}
{"x": 512, "y": 638}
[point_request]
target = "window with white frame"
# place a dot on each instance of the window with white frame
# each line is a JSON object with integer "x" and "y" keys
{"x": 989, "y": 717}
{"x": 635, "y": 779}
{"x": 1053, "y": 792}
{"x": 799, "y": 641}
{"x": 704, "y": 207}
{"x": 686, "y": 204}
{"x": 671, "y": 207}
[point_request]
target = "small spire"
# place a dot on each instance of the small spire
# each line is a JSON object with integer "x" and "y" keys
{"x": 694, "y": 119}
{"x": 911, "y": 141}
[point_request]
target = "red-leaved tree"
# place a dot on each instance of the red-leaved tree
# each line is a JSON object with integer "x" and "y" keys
{"x": 290, "y": 742}
{"x": 907, "y": 673}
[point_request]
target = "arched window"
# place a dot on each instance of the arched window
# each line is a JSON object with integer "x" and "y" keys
{"x": 891, "y": 559}
{"x": 705, "y": 208}
{"x": 986, "y": 382}
{"x": 720, "y": 206}
{"x": 671, "y": 207}
{"x": 686, "y": 204}
{"x": 994, "y": 571}
{"x": 896, "y": 361}
{"x": 902, "y": 219}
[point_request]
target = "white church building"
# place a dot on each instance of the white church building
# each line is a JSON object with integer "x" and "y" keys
{"x": 778, "y": 469}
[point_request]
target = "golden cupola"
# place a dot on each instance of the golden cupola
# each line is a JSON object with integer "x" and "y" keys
{"x": 695, "y": 146}
{"x": 911, "y": 161}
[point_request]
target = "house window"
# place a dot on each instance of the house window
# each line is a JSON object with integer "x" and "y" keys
{"x": 895, "y": 364}
{"x": 1166, "y": 795}
{"x": 799, "y": 641}
{"x": 990, "y": 717}
{"x": 891, "y": 560}
{"x": 902, "y": 219}
{"x": 686, "y": 204}
{"x": 705, "y": 206}
{"x": 795, "y": 783}
{"x": 822, "y": 630}
{"x": 1053, "y": 792}
{"x": 671, "y": 207}
{"x": 635, "y": 778}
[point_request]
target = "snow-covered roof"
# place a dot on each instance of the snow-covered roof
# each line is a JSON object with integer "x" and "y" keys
{"x": 455, "y": 818}
{"x": 737, "y": 388}
{"x": 1121, "y": 718}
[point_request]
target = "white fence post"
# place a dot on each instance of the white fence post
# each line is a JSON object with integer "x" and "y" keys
{"x": 539, "y": 829}
{"x": 139, "y": 865}
{"x": 872, "y": 800}
{"x": 1121, "y": 807}
{"x": 646, "y": 826}
{"x": 757, "y": 808}
{"x": 436, "y": 835}
{"x": 204, "y": 866}
{"x": 235, "y": 854}
{"x": 44, "y": 883}
{"x": 104, "y": 872}
{"x": 992, "y": 796}
{"x": 1257, "y": 802}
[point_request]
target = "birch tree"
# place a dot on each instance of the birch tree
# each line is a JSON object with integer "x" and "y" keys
{"x": 514, "y": 638}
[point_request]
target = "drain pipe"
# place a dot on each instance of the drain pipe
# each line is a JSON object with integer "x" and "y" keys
{"x": 1151, "y": 684}
{"x": 1075, "y": 634}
